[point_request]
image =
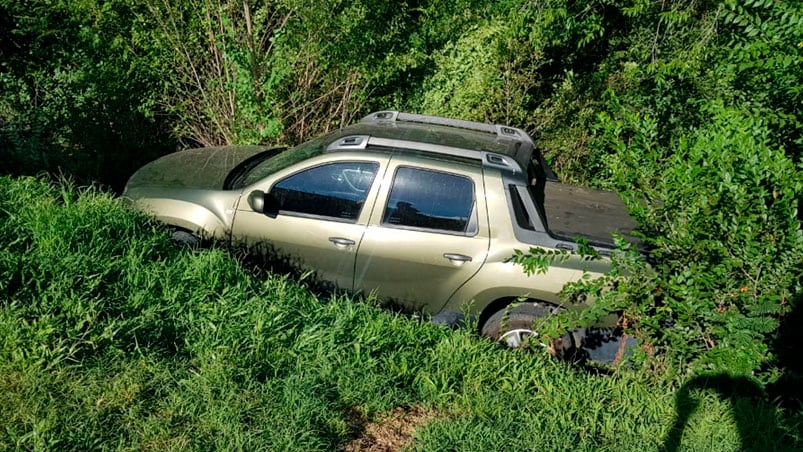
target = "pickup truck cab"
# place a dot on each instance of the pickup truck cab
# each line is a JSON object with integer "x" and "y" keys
{"x": 423, "y": 211}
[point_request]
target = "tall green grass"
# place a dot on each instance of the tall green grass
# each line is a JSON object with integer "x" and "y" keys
{"x": 111, "y": 338}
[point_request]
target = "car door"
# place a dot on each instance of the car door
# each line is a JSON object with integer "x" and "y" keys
{"x": 321, "y": 218}
{"x": 427, "y": 236}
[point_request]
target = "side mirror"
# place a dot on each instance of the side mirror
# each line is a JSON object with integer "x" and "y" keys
{"x": 264, "y": 203}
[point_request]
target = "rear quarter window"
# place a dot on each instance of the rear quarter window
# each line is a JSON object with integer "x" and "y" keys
{"x": 428, "y": 199}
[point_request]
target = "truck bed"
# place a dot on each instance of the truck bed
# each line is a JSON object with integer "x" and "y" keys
{"x": 582, "y": 212}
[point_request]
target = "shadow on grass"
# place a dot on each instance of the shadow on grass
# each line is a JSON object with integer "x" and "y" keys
{"x": 788, "y": 389}
{"x": 755, "y": 418}
{"x": 263, "y": 258}
{"x": 759, "y": 422}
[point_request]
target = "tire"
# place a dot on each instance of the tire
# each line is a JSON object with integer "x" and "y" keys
{"x": 186, "y": 239}
{"x": 516, "y": 326}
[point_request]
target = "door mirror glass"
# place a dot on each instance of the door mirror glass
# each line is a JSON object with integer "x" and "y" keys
{"x": 256, "y": 200}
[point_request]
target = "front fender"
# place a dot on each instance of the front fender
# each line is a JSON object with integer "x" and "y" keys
{"x": 214, "y": 222}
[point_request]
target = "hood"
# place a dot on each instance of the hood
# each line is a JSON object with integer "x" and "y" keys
{"x": 583, "y": 212}
{"x": 203, "y": 168}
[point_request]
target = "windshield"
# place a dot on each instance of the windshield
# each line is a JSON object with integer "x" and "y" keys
{"x": 264, "y": 164}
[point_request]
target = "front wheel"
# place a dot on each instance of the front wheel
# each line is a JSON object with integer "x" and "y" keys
{"x": 186, "y": 239}
{"x": 518, "y": 325}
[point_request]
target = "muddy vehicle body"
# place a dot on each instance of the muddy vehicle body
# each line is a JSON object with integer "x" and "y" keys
{"x": 421, "y": 210}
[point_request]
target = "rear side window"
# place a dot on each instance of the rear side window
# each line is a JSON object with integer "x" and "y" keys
{"x": 335, "y": 190}
{"x": 430, "y": 200}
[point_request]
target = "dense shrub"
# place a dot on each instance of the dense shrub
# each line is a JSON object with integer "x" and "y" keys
{"x": 77, "y": 87}
{"x": 683, "y": 117}
{"x": 721, "y": 221}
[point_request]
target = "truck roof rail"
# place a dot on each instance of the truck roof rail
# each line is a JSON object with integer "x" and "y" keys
{"x": 501, "y": 131}
{"x": 521, "y": 146}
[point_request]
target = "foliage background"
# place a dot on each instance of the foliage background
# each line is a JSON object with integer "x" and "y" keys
{"x": 690, "y": 110}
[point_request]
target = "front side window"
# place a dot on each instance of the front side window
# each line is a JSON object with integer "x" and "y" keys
{"x": 335, "y": 190}
{"x": 430, "y": 200}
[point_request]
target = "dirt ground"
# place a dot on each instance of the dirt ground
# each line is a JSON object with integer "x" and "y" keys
{"x": 391, "y": 432}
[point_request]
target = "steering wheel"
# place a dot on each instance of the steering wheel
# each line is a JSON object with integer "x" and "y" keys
{"x": 345, "y": 177}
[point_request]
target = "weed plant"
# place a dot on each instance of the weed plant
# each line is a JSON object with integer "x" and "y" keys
{"x": 112, "y": 338}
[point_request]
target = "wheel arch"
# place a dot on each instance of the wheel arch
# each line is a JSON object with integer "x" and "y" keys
{"x": 501, "y": 303}
{"x": 194, "y": 218}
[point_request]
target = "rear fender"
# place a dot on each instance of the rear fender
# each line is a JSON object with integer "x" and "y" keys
{"x": 505, "y": 280}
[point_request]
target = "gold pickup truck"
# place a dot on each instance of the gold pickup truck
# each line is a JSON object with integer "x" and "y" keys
{"x": 421, "y": 210}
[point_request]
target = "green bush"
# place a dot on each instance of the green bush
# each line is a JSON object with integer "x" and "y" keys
{"x": 76, "y": 87}
{"x": 222, "y": 88}
{"x": 720, "y": 216}
{"x": 684, "y": 118}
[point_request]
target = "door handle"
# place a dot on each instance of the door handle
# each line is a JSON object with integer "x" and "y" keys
{"x": 341, "y": 242}
{"x": 457, "y": 258}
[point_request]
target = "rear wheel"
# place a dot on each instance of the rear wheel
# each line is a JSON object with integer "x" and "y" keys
{"x": 517, "y": 325}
